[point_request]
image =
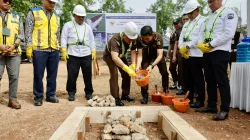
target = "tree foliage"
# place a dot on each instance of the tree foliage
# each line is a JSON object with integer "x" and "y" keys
{"x": 114, "y": 6}
{"x": 22, "y": 6}
{"x": 167, "y": 11}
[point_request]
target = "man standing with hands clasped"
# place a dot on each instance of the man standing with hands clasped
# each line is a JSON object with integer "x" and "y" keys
{"x": 215, "y": 42}
{"x": 11, "y": 34}
{"x": 192, "y": 55}
{"x": 78, "y": 49}
{"x": 42, "y": 36}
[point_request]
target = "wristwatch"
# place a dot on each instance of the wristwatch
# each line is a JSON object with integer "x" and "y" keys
{"x": 16, "y": 45}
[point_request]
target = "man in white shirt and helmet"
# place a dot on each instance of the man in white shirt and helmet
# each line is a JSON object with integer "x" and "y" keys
{"x": 193, "y": 56}
{"x": 79, "y": 50}
{"x": 215, "y": 42}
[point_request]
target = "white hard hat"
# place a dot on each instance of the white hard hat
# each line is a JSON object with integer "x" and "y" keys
{"x": 79, "y": 10}
{"x": 56, "y": 1}
{"x": 131, "y": 30}
{"x": 190, "y": 6}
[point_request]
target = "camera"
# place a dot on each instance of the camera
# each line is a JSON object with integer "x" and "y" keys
{"x": 207, "y": 40}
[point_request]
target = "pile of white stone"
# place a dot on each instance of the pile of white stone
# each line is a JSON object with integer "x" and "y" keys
{"x": 124, "y": 128}
{"x": 102, "y": 101}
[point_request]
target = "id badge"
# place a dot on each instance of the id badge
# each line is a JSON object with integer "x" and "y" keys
{"x": 6, "y": 31}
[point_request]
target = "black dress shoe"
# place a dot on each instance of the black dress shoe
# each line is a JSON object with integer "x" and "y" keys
{"x": 173, "y": 86}
{"x": 127, "y": 98}
{"x": 222, "y": 115}
{"x": 180, "y": 92}
{"x": 38, "y": 102}
{"x": 88, "y": 96}
{"x": 118, "y": 102}
{"x": 195, "y": 95}
{"x": 207, "y": 110}
{"x": 71, "y": 98}
{"x": 52, "y": 100}
{"x": 196, "y": 105}
{"x": 144, "y": 100}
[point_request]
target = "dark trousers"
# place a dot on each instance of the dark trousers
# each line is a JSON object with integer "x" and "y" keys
{"x": 162, "y": 66}
{"x": 173, "y": 69}
{"x": 113, "y": 81}
{"x": 195, "y": 78}
{"x": 42, "y": 60}
{"x": 73, "y": 66}
{"x": 232, "y": 58}
{"x": 215, "y": 68}
{"x": 181, "y": 72}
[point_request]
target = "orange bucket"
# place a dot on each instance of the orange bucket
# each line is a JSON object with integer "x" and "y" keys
{"x": 156, "y": 97}
{"x": 167, "y": 99}
{"x": 143, "y": 81}
{"x": 181, "y": 106}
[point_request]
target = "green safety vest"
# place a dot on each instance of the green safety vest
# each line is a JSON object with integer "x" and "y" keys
{"x": 123, "y": 47}
{"x": 209, "y": 34}
{"x": 78, "y": 40}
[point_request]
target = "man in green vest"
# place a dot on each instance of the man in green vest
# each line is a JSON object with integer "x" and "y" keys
{"x": 11, "y": 34}
{"x": 42, "y": 37}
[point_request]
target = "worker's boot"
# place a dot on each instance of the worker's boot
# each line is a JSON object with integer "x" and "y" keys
{"x": 174, "y": 86}
{"x": 144, "y": 97}
{"x": 14, "y": 104}
{"x": 71, "y": 97}
{"x": 118, "y": 102}
{"x": 127, "y": 98}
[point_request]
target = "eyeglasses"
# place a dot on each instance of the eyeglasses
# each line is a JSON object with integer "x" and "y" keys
{"x": 5, "y": 1}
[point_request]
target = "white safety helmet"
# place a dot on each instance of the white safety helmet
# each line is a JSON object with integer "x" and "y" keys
{"x": 56, "y": 1}
{"x": 79, "y": 10}
{"x": 131, "y": 30}
{"x": 190, "y": 6}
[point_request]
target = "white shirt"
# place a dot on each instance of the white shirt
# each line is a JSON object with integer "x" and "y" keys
{"x": 69, "y": 35}
{"x": 192, "y": 29}
{"x": 224, "y": 29}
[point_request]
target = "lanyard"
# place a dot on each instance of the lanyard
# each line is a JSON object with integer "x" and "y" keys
{"x": 187, "y": 28}
{"x": 78, "y": 40}
{"x": 212, "y": 29}
{"x": 191, "y": 29}
{"x": 123, "y": 47}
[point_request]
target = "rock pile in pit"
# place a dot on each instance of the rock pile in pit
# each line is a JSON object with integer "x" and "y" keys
{"x": 102, "y": 101}
{"x": 124, "y": 128}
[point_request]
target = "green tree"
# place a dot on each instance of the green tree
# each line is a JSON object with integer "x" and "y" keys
{"x": 114, "y": 6}
{"x": 22, "y": 6}
{"x": 164, "y": 10}
{"x": 167, "y": 11}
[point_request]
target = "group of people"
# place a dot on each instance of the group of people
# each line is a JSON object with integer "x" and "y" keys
{"x": 200, "y": 46}
{"x": 44, "y": 44}
{"x": 204, "y": 46}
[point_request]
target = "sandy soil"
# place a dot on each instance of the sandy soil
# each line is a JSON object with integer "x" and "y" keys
{"x": 39, "y": 123}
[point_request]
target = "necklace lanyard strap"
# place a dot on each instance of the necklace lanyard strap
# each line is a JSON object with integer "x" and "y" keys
{"x": 187, "y": 28}
{"x": 192, "y": 28}
{"x": 212, "y": 29}
{"x": 123, "y": 46}
{"x": 78, "y": 40}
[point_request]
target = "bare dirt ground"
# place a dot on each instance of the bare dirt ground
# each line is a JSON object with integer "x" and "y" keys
{"x": 39, "y": 123}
